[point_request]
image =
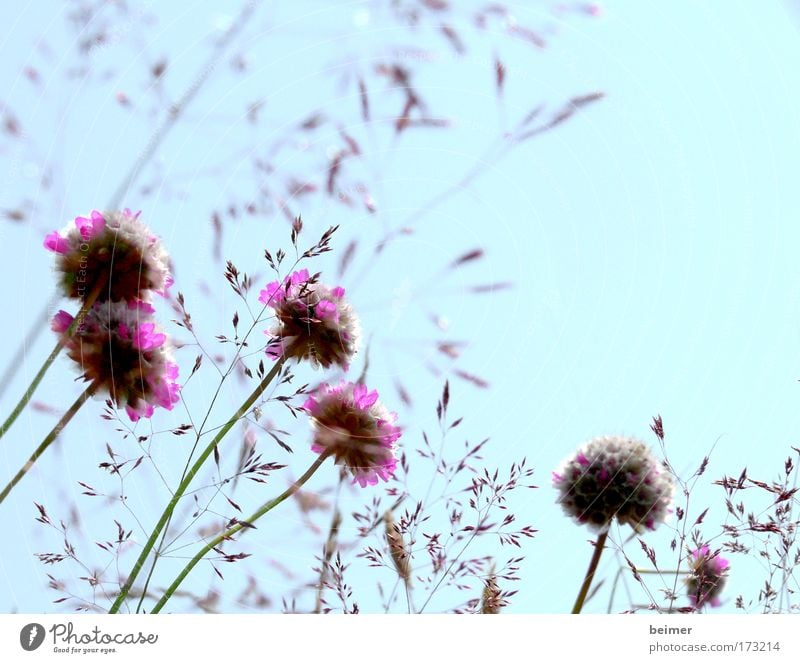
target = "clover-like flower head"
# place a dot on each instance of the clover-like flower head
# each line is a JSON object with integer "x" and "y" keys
{"x": 356, "y": 429}
{"x": 615, "y": 477}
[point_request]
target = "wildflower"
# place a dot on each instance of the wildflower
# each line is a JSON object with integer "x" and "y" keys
{"x": 120, "y": 350}
{"x": 615, "y": 477}
{"x": 356, "y": 429}
{"x": 314, "y": 321}
{"x": 707, "y": 578}
{"x": 114, "y": 248}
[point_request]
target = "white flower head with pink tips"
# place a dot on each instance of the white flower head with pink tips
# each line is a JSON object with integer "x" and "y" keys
{"x": 112, "y": 248}
{"x": 314, "y": 321}
{"x": 615, "y": 477}
{"x": 121, "y": 350}
{"x": 350, "y": 423}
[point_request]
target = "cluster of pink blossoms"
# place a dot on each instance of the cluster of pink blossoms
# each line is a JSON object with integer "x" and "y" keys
{"x": 117, "y": 344}
{"x": 114, "y": 249}
{"x": 707, "y": 579}
{"x": 122, "y": 351}
{"x": 615, "y": 477}
{"x": 350, "y": 424}
{"x": 314, "y": 322}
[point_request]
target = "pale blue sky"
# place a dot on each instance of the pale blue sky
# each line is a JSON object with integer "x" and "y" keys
{"x": 651, "y": 239}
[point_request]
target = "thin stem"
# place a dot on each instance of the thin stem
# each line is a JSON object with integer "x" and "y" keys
{"x": 227, "y": 534}
{"x": 26, "y": 397}
{"x": 587, "y": 581}
{"x": 187, "y": 479}
{"x": 51, "y": 436}
{"x": 38, "y": 324}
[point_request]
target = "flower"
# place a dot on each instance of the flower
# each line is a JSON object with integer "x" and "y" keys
{"x": 122, "y": 352}
{"x": 115, "y": 248}
{"x": 314, "y": 321}
{"x": 615, "y": 477}
{"x": 356, "y": 429}
{"x": 707, "y": 579}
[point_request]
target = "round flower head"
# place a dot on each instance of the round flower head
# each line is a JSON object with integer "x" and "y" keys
{"x": 356, "y": 429}
{"x": 707, "y": 579}
{"x": 314, "y": 321}
{"x": 122, "y": 352}
{"x": 614, "y": 477}
{"x": 114, "y": 247}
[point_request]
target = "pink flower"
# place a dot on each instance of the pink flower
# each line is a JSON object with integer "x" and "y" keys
{"x": 356, "y": 429}
{"x": 89, "y": 228}
{"x": 314, "y": 321}
{"x": 119, "y": 348}
{"x": 56, "y": 243}
{"x": 139, "y": 305}
{"x": 146, "y": 338}
{"x": 61, "y": 322}
{"x": 707, "y": 579}
{"x": 112, "y": 248}
{"x": 614, "y": 477}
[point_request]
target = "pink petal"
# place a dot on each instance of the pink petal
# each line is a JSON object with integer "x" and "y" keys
{"x": 140, "y": 305}
{"x": 362, "y": 398}
{"x": 61, "y": 322}
{"x": 271, "y": 295}
{"x": 311, "y": 405}
{"x": 89, "y": 228}
{"x": 299, "y": 277}
{"x": 168, "y": 281}
{"x": 146, "y": 338}
{"x": 56, "y": 243}
{"x": 145, "y": 410}
{"x": 326, "y": 310}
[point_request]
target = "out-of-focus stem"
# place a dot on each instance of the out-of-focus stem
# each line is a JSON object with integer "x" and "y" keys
{"x": 26, "y": 397}
{"x": 587, "y": 581}
{"x": 51, "y": 436}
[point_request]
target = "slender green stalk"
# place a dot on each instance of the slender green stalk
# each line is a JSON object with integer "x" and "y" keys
{"x": 26, "y": 397}
{"x": 51, "y": 436}
{"x": 26, "y": 341}
{"x": 187, "y": 479}
{"x": 227, "y": 534}
{"x": 587, "y": 581}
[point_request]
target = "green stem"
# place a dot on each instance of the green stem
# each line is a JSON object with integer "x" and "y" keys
{"x": 587, "y": 581}
{"x": 51, "y": 436}
{"x": 227, "y": 534}
{"x": 187, "y": 479}
{"x": 26, "y": 397}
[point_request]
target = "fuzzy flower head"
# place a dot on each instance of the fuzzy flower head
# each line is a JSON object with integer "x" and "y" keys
{"x": 314, "y": 321}
{"x": 115, "y": 248}
{"x": 356, "y": 429}
{"x": 615, "y": 477}
{"x": 123, "y": 353}
{"x": 707, "y": 578}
